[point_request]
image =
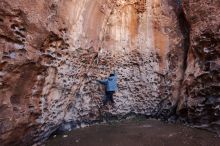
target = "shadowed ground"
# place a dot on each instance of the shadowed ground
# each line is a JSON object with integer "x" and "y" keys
{"x": 136, "y": 133}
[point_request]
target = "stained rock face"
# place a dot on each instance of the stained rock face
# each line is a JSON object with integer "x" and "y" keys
{"x": 52, "y": 53}
{"x": 201, "y": 88}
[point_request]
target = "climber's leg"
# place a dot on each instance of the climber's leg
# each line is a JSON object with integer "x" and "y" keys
{"x": 111, "y": 97}
{"x": 106, "y": 98}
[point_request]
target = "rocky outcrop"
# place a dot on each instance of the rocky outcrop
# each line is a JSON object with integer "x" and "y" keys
{"x": 200, "y": 98}
{"x": 53, "y": 51}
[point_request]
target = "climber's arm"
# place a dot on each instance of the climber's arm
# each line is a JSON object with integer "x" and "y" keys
{"x": 115, "y": 74}
{"x": 102, "y": 81}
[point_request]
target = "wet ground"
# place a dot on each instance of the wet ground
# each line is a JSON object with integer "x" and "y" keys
{"x": 136, "y": 133}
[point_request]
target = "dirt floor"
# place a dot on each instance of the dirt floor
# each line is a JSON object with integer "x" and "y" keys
{"x": 136, "y": 133}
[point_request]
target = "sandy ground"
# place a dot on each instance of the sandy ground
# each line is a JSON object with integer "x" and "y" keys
{"x": 136, "y": 133}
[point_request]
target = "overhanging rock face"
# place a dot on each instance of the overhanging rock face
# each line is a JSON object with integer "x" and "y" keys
{"x": 53, "y": 51}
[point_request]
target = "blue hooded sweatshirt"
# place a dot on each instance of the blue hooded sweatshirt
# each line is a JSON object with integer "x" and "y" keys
{"x": 110, "y": 83}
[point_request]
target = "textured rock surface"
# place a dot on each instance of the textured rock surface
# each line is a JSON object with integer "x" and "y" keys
{"x": 200, "y": 98}
{"x": 53, "y": 51}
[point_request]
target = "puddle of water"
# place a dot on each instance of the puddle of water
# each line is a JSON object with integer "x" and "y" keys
{"x": 136, "y": 133}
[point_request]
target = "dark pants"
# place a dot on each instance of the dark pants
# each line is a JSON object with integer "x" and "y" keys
{"x": 108, "y": 97}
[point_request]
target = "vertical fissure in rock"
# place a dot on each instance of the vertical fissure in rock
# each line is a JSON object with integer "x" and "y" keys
{"x": 185, "y": 30}
{"x": 184, "y": 27}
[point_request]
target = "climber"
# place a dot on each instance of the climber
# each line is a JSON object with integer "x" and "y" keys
{"x": 110, "y": 87}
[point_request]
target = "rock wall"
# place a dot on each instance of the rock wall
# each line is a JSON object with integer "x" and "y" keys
{"x": 53, "y": 51}
{"x": 200, "y": 97}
